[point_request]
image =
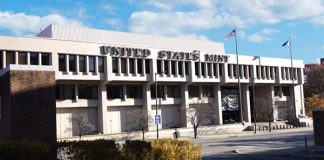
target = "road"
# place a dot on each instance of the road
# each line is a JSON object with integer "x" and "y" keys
{"x": 284, "y": 144}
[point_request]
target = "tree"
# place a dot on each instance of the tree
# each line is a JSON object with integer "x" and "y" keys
{"x": 200, "y": 113}
{"x": 313, "y": 102}
{"x": 82, "y": 125}
{"x": 139, "y": 118}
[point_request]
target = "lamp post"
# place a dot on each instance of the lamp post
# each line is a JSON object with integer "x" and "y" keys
{"x": 156, "y": 107}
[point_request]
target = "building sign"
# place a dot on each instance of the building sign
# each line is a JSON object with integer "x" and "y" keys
{"x": 125, "y": 51}
{"x": 216, "y": 58}
{"x": 195, "y": 55}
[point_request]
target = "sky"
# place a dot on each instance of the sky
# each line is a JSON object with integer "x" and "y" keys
{"x": 262, "y": 25}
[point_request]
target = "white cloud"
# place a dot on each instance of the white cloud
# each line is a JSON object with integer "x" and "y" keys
{"x": 24, "y": 24}
{"x": 262, "y": 35}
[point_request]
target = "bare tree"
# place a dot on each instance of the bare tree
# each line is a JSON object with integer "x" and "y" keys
{"x": 139, "y": 118}
{"x": 200, "y": 113}
{"x": 83, "y": 126}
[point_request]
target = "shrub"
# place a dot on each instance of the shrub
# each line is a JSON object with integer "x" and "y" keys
{"x": 23, "y": 150}
{"x": 137, "y": 150}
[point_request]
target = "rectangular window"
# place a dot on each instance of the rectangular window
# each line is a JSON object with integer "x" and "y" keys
{"x": 173, "y": 91}
{"x": 229, "y": 70}
{"x": 115, "y": 65}
{"x": 159, "y": 68}
{"x": 250, "y": 70}
{"x": 62, "y": 62}
{"x": 92, "y": 64}
{"x": 286, "y": 91}
{"x": 114, "y": 91}
{"x": 166, "y": 67}
{"x": 197, "y": 68}
{"x": 180, "y": 63}
{"x": 215, "y": 69}
{"x": 203, "y": 69}
{"x": 220, "y": 70}
{"x": 173, "y": 67}
{"x": 65, "y": 92}
{"x": 88, "y": 92}
{"x": 193, "y": 91}
{"x": 45, "y": 59}
{"x": 235, "y": 70}
{"x": 207, "y": 91}
{"x": 10, "y": 57}
{"x": 22, "y": 58}
{"x": 262, "y": 72}
{"x": 147, "y": 66}
{"x": 140, "y": 66}
{"x": 123, "y": 65}
{"x": 34, "y": 58}
{"x": 160, "y": 91}
{"x": 82, "y": 64}
{"x": 72, "y": 63}
{"x": 131, "y": 66}
{"x": 187, "y": 66}
{"x": 101, "y": 64}
{"x": 209, "y": 67}
{"x": 134, "y": 91}
{"x": 276, "y": 91}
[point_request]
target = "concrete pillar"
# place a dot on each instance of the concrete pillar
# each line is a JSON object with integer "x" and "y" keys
{"x": 148, "y": 106}
{"x": 102, "y": 109}
{"x": 118, "y": 66}
{"x": 127, "y": 66}
{"x": 4, "y": 59}
{"x": 169, "y": 68}
{"x": 143, "y": 67}
{"x": 211, "y": 65}
{"x": 87, "y": 64}
{"x": 246, "y": 104}
{"x": 184, "y": 106}
{"x": 124, "y": 98}
{"x": 76, "y": 91}
{"x": 199, "y": 69}
{"x": 217, "y": 105}
{"x": 16, "y": 57}
{"x": 206, "y": 69}
{"x": 216, "y": 67}
{"x": 162, "y": 68}
{"x": 225, "y": 73}
{"x": 39, "y": 59}
{"x": 183, "y": 68}
{"x": 77, "y": 64}
{"x": 67, "y": 63}
{"x": 96, "y": 64}
{"x": 176, "y": 69}
{"x": 135, "y": 66}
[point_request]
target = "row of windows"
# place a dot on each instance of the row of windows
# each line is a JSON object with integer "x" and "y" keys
{"x": 173, "y": 67}
{"x": 269, "y": 72}
{"x": 64, "y": 91}
{"x": 23, "y": 58}
{"x": 209, "y": 69}
{"x": 206, "y": 91}
{"x": 243, "y": 70}
{"x": 131, "y": 65}
{"x": 288, "y": 73}
{"x": 86, "y": 63}
{"x": 281, "y": 90}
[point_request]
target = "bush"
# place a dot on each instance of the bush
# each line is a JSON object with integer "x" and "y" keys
{"x": 137, "y": 150}
{"x": 88, "y": 150}
{"x": 23, "y": 150}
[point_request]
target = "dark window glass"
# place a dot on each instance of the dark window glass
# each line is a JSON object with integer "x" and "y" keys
{"x": 229, "y": 70}
{"x": 114, "y": 91}
{"x": 10, "y": 57}
{"x": 34, "y": 58}
{"x": 207, "y": 91}
{"x": 159, "y": 69}
{"x": 22, "y": 58}
{"x": 286, "y": 91}
{"x": 209, "y": 67}
{"x": 101, "y": 64}
{"x": 173, "y": 67}
{"x": 160, "y": 91}
{"x": 131, "y": 66}
{"x": 123, "y": 65}
{"x": 215, "y": 69}
{"x": 180, "y": 63}
{"x": 139, "y": 66}
{"x": 62, "y": 62}
{"x": 72, "y": 63}
{"x": 148, "y": 66}
{"x": 1, "y": 59}
{"x": 82, "y": 65}
{"x": 277, "y": 91}
{"x": 234, "y": 70}
{"x": 197, "y": 68}
{"x": 173, "y": 91}
{"x": 166, "y": 64}
{"x": 203, "y": 69}
{"x": 114, "y": 65}
{"x": 92, "y": 64}
{"x": 187, "y": 68}
{"x": 220, "y": 69}
{"x": 193, "y": 91}
{"x": 65, "y": 92}
{"x": 133, "y": 91}
{"x": 45, "y": 59}
{"x": 88, "y": 92}
{"x": 250, "y": 71}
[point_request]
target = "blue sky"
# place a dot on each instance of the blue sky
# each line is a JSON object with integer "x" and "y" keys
{"x": 262, "y": 25}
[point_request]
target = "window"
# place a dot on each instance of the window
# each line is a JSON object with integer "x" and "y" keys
{"x": 193, "y": 91}
{"x": 101, "y": 64}
{"x": 235, "y": 70}
{"x": 277, "y": 91}
{"x": 187, "y": 68}
{"x": 229, "y": 72}
{"x": 258, "y": 71}
{"x": 180, "y": 67}
{"x": 173, "y": 91}
{"x": 215, "y": 69}
{"x": 65, "y": 92}
{"x": 207, "y": 91}
{"x": 72, "y": 63}
{"x": 82, "y": 64}
{"x": 173, "y": 67}
{"x": 114, "y": 91}
{"x": 10, "y": 57}
{"x": 209, "y": 67}
{"x": 22, "y": 58}
{"x": 250, "y": 71}
{"x": 131, "y": 66}
{"x": 221, "y": 66}
{"x": 45, "y": 59}
{"x": 140, "y": 66}
{"x": 197, "y": 68}
{"x": 262, "y": 72}
{"x": 148, "y": 66}
{"x": 160, "y": 91}
{"x": 87, "y": 92}
{"x": 34, "y": 58}
{"x": 115, "y": 65}
{"x": 133, "y": 91}
{"x": 203, "y": 69}
{"x": 159, "y": 68}
{"x": 166, "y": 66}
{"x": 92, "y": 64}
{"x": 286, "y": 91}
{"x": 123, "y": 65}
{"x": 62, "y": 62}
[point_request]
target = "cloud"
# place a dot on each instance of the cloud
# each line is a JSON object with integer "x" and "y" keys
{"x": 111, "y": 9}
{"x": 24, "y": 24}
{"x": 262, "y": 35}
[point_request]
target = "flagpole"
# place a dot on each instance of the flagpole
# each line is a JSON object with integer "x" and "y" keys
{"x": 238, "y": 79}
{"x": 293, "y": 76}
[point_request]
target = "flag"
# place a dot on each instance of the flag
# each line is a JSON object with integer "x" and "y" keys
{"x": 230, "y": 34}
{"x": 287, "y": 43}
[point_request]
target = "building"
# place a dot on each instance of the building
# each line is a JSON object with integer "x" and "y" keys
{"x": 322, "y": 61}
{"x": 104, "y": 75}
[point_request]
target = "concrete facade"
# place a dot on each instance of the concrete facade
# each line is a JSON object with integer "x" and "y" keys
{"x": 104, "y": 75}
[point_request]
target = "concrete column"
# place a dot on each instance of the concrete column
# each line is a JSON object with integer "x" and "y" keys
{"x": 283, "y": 73}
{"x": 127, "y": 66}
{"x": 211, "y": 65}
{"x": 169, "y": 68}
{"x": 192, "y": 70}
{"x": 217, "y": 105}
{"x": 39, "y": 59}
{"x": 176, "y": 69}
{"x": 162, "y": 68}
{"x": 183, "y": 68}
{"x": 206, "y": 69}
{"x": 135, "y": 66}
{"x": 16, "y": 57}
{"x": 225, "y": 72}
{"x": 124, "y": 98}
{"x": 108, "y": 69}
{"x": 4, "y": 59}
{"x": 241, "y": 71}
{"x": 118, "y": 66}
{"x": 67, "y": 63}
{"x": 102, "y": 109}
{"x": 184, "y": 106}
{"x": 96, "y": 64}
{"x": 148, "y": 106}
{"x": 199, "y": 69}
{"x": 246, "y": 104}
{"x": 77, "y": 64}
{"x": 87, "y": 64}
{"x": 143, "y": 67}
{"x": 76, "y": 91}
{"x": 287, "y": 73}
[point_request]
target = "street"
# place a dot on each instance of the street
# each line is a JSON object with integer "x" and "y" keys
{"x": 280, "y": 144}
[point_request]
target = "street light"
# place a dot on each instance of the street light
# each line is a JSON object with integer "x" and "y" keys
{"x": 156, "y": 108}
